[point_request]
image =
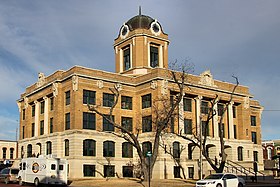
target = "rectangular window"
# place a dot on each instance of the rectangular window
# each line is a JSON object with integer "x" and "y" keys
{"x": 88, "y": 97}
{"x": 147, "y": 124}
{"x": 126, "y": 102}
{"x": 23, "y": 133}
{"x": 49, "y": 148}
{"x": 253, "y": 121}
{"x": 234, "y": 132}
{"x": 187, "y": 126}
{"x": 23, "y": 114}
{"x": 204, "y": 107}
{"x": 42, "y": 127}
{"x": 146, "y": 101}
{"x": 126, "y": 58}
{"x": 234, "y": 111}
{"x": 205, "y": 128}
{"x": 109, "y": 171}
{"x": 255, "y": 153}
{"x": 33, "y": 110}
{"x": 67, "y": 121}
{"x": 220, "y": 109}
{"x": 89, "y": 170}
{"x": 153, "y": 56}
{"x": 66, "y": 148}
{"x": 187, "y": 104}
{"x": 107, "y": 126}
{"x": 128, "y": 171}
{"x": 67, "y": 98}
{"x": 88, "y": 120}
{"x": 51, "y": 125}
{"x": 51, "y": 103}
{"x": 127, "y": 123}
{"x": 33, "y": 129}
{"x": 42, "y": 110}
{"x": 108, "y": 99}
{"x": 240, "y": 153}
{"x": 254, "y": 137}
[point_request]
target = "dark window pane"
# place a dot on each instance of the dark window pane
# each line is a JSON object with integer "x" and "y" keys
{"x": 126, "y": 58}
{"x": 88, "y": 97}
{"x": 67, "y": 121}
{"x": 146, "y": 101}
{"x": 153, "y": 56}
{"x": 109, "y": 171}
{"x": 107, "y": 126}
{"x": 187, "y": 126}
{"x": 108, "y": 99}
{"x": 109, "y": 149}
{"x": 126, "y": 102}
{"x": 89, "y": 147}
{"x": 147, "y": 124}
{"x": 127, "y": 123}
{"x": 89, "y": 170}
{"x": 146, "y": 147}
{"x": 127, "y": 150}
{"x": 67, "y": 98}
{"x": 187, "y": 104}
{"x": 88, "y": 120}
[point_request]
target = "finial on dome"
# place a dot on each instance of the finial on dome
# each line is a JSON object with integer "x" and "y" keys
{"x": 139, "y": 10}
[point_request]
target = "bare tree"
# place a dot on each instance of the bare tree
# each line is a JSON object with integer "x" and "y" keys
{"x": 161, "y": 113}
{"x": 201, "y": 141}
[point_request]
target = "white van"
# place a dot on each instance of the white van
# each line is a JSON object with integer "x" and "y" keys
{"x": 43, "y": 170}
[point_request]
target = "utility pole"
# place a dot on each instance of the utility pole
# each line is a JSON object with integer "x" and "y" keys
{"x": 200, "y": 149}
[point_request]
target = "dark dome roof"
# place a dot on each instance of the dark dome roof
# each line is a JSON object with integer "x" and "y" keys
{"x": 139, "y": 22}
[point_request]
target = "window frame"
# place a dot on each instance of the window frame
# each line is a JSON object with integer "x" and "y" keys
{"x": 108, "y": 99}
{"x": 67, "y": 97}
{"x": 89, "y": 121}
{"x": 146, "y": 101}
{"x": 89, "y": 97}
{"x": 67, "y": 121}
{"x": 147, "y": 124}
{"x": 126, "y": 102}
{"x": 89, "y": 147}
{"x": 108, "y": 148}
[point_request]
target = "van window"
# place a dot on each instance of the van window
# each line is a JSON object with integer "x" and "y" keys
{"x": 60, "y": 167}
{"x": 24, "y": 166}
{"x": 14, "y": 171}
{"x": 20, "y": 166}
{"x": 53, "y": 167}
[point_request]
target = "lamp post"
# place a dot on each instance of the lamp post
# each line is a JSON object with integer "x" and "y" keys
{"x": 149, "y": 154}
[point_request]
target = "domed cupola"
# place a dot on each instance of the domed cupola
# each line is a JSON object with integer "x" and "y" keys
{"x": 140, "y": 46}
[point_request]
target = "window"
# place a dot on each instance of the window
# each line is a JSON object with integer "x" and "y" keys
{"x": 234, "y": 132}
{"x": 234, "y": 111}
{"x": 32, "y": 129}
{"x": 176, "y": 171}
{"x": 23, "y": 114}
{"x": 67, "y": 121}
{"x": 254, "y": 137}
{"x": 255, "y": 153}
{"x": 153, "y": 56}
{"x": 89, "y": 147}
{"x": 220, "y": 109}
{"x": 109, "y": 149}
{"x": 191, "y": 172}
{"x": 12, "y": 153}
{"x": 187, "y": 126}
{"x": 147, "y": 124}
{"x": 146, "y": 147}
{"x": 269, "y": 153}
{"x": 88, "y": 97}
{"x": 190, "y": 151}
{"x": 4, "y": 149}
{"x": 51, "y": 103}
{"x": 53, "y": 167}
{"x": 40, "y": 147}
{"x": 127, "y": 150}
{"x": 66, "y": 147}
{"x": 89, "y": 170}
{"x": 51, "y": 125}
{"x": 108, "y": 99}
{"x": 176, "y": 150}
{"x": 42, "y": 110}
{"x": 107, "y": 126}
{"x": 88, "y": 120}
{"x": 126, "y": 102}
{"x": 60, "y": 167}
{"x": 205, "y": 128}
{"x": 67, "y": 98}
{"x": 253, "y": 121}
{"x": 49, "y": 148}
{"x": 187, "y": 104}
{"x": 146, "y": 101}
{"x": 29, "y": 150}
{"x": 127, "y": 171}
{"x": 33, "y": 110}
{"x": 127, "y": 123}
{"x": 42, "y": 127}
{"x": 109, "y": 171}
{"x": 204, "y": 107}
{"x": 240, "y": 153}
{"x": 126, "y": 58}
{"x": 23, "y": 129}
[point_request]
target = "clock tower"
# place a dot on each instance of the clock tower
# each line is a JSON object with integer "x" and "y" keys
{"x": 140, "y": 46}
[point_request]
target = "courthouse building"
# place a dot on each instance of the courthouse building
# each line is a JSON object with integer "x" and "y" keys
{"x": 55, "y": 119}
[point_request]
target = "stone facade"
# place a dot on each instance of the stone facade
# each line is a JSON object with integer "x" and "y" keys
{"x": 8, "y": 151}
{"x": 55, "y": 119}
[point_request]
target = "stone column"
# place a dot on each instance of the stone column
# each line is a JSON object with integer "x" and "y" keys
{"x": 121, "y": 60}
{"x": 230, "y": 120}
{"x": 37, "y": 113}
{"x": 149, "y": 60}
{"x": 216, "y": 121}
{"x": 130, "y": 55}
{"x": 160, "y": 57}
{"x": 46, "y": 115}
{"x": 198, "y": 113}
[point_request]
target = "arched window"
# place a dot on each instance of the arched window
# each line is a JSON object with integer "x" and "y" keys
{"x": 269, "y": 153}
{"x": 89, "y": 147}
{"x": 49, "y": 148}
{"x": 12, "y": 153}
{"x": 4, "y": 149}
{"x": 176, "y": 149}
{"x": 240, "y": 153}
{"x": 127, "y": 150}
{"x": 109, "y": 149}
{"x": 146, "y": 147}
{"x": 66, "y": 147}
{"x": 29, "y": 150}
{"x": 40, "y": 148}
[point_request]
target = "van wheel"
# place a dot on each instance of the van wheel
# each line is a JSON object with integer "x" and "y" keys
{"x": 20, "y": 182}
{"x": 6, "y": 181}
{"x": 36, "y": 182}
{"x": 219, "y": 185}
{"x": 240, "y": 185}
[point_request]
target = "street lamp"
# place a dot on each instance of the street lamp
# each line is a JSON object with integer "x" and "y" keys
{"x": 149, "y": 155}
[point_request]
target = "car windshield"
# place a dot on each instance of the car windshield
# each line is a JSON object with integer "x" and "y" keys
{"x": 14, "y": 171}
{"x": 215, "y": 176}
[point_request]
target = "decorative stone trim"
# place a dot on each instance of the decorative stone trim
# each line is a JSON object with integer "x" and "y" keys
{"x": 164, "y": 87}
{"x": 75, "y": 81}
{"x": 100, "y": 84}
{"x": 206, "y": 79}
{"x": 41, "y": 79}
{"x": 153, "y": 85}
{"x": 55, "y": 89}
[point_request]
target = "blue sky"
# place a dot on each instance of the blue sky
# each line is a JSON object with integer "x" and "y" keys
{"x": 233, "y": 37}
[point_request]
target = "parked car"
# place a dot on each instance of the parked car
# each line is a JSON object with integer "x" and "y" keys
{"x": 9, "y": 175}
{"x": 221, "y": 180}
